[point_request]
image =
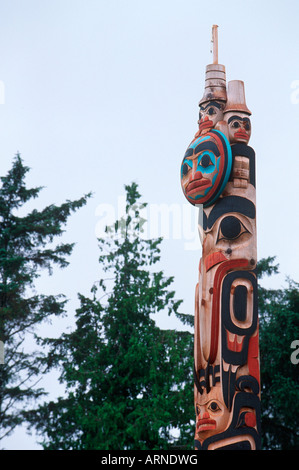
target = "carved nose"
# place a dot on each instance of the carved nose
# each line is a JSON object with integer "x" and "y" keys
{"x": 205, "y": 415}
{"x": 205, "y": 118}
{"x": 197, "y": 175}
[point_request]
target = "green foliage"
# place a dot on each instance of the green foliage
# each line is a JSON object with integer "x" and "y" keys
{"x": 279, "y": 327}
{"x": 24, "y": 252}
{"x": 128, "y": 383}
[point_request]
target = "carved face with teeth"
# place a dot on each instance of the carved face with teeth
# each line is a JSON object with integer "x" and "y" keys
{"x": 206, "y": 168}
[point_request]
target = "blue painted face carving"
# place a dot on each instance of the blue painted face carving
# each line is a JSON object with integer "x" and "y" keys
{"x": 205, "y": 168}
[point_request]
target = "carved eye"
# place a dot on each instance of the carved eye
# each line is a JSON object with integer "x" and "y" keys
{"x": 247, "y": 126}
{"x": 197, "y": 410}
{"x": 236, "y": 125}
{"x": 231, "y": 228}
{"x": 185, "y": 169}
{"x": 213, "y": 406}
{"x": 211, "y": 111}
{"x": 205, "y": 161}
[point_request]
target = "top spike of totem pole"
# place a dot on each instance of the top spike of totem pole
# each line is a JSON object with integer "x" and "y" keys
{"x": 218, "y": 177}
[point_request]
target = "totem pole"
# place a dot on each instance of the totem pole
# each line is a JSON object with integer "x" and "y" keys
{"x": 218, "y": 177}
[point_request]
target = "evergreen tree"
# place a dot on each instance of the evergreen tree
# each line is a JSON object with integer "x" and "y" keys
{"x": 25, "y": 249}
{"x": 128, "y": 383}
{"x": 279, "y": 328}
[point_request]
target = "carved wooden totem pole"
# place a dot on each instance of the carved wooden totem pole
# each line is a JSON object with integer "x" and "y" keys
{"x": 218, "y": 177}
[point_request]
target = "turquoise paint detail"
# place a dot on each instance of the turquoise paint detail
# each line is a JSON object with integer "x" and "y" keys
{"x": 228, "y": 169}
{"x": 188, "y": 162}
{"x": 198, "y": 141}
{"x": 210, "y": 168}
{"x": 215, "y": 176}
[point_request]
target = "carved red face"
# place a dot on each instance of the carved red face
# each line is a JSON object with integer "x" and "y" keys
{"x": 239, "y": 127}
{"x": 206, "y": 168}
{"x": 209, "y": 114}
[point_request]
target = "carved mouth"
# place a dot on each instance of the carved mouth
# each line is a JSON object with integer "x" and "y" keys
{"x": 241, "y": 135}
{"x": 205, "y": 424}
{"x": 195, "y": 185}
{"x": 205, "y": 125}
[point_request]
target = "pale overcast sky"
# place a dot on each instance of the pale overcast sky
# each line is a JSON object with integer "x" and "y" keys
{"x": 96, "y": 94}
